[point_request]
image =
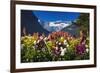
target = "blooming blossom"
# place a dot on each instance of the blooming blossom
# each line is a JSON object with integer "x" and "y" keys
{"x": 63, "y": 50}
{"x": 80, "y": 49}
{"x": 87, "y": 50}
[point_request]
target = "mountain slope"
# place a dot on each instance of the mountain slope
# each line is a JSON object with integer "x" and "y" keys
{"x": 72, "y": 29}
{"x": 30, "y": 22}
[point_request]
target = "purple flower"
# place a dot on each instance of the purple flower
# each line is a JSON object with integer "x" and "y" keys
{"x": 80, "y": 49}
{"x": 56, "y": 51}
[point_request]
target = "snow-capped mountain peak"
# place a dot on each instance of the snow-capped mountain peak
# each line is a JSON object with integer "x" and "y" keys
{"x": 56, "y": 25}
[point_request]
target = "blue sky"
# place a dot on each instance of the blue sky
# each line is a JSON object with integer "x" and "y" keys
{"x": 49, "y": 16}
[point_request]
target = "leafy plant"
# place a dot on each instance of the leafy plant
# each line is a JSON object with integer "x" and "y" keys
{"x": 57, "y": 46}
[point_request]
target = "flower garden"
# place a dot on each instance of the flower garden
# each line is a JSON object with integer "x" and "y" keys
{"x": 57, "y": 46}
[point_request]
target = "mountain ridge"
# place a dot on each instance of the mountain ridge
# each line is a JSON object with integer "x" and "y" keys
{"x": 30, "y": 22}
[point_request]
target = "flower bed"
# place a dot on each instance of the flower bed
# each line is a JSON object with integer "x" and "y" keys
{"x": 57, "y": 46}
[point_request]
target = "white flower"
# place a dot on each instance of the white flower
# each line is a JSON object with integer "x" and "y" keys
{"x": 59, "y": 43}
{"x": 65, "y": 42}
{"x": 45, "y": 38}
{"x": 38, "y": 41}
{"x": 56, "y": 42}
{"x": 87, "y": 50}
{"x": 63, "y": 50}
{"x": 86, "y": 45}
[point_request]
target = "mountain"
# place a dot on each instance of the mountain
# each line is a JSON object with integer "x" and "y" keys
{"x": 31, "y": 24}
{"x": 55, "y": 25}
{"x": 72, "y": 29}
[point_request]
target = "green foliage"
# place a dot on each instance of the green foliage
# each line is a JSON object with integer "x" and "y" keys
{"x": 31, "y": 52}
{"x": 73, "y": 43}
{"x": 83, "y": 22}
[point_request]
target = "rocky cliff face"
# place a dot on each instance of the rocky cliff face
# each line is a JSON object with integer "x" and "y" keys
{"x": 30, "y": 22}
